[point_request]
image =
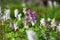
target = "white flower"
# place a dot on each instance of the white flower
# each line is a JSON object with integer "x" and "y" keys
{"x": 32, "y": 23}
{"x": 24, "y": 10}
{"x": 49, "y": 19}
{"x": 4, "y": 17}
{"x": 19, "y": 16}
{"x": 55, "y": 4}
{"x": 42, "y": 21}
{"x": 31, "y": 35}
{"x": 50, "y": 3}
{"x": 53, "y": 22}
{"x": 16, "y": 12}
{"x": 7, "y": 13}
{"x": 15, "y": 26}
{"x": 58, "y": 27}
{"x": 23, "y": 5}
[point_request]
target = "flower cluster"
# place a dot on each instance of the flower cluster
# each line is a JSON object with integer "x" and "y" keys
{"x": 50, "y": 22}
{"x": 18, "y": 16}
{"x": 6, "y": 15}
{"x": 14, "y": 26}
{"x": 32, "y": 16}
{"x": 26, "y": 22}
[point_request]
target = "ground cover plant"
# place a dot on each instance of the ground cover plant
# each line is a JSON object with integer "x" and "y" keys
{"x": 43, "y": 21}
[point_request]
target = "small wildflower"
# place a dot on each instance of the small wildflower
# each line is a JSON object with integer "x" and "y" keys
{"x": 12, "y": 25}
{"x": 16, "y": 12}
{"x": 32, "y": 16}
{"x": 49, "y": 19}
{"x": 4, "y": 17}
{"x": 15, "y": 26}
{"x": 53, "y": 22}
{"x": 26, "y": 22}
{"x": 23, "y": 5}
{"x": 7, "y": 13}
{"x": 19, "y": 16}
{"x": 42, "y": 21}
{"x": 24, "y": 10}
{"x": 58, "y": 27}
{"x": 32, "y": 23}
{"x": 50, "y": 3}
{"x": 31, "y": 35}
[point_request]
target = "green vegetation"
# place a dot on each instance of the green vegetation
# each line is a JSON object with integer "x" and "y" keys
{"x": 42, "y": 33}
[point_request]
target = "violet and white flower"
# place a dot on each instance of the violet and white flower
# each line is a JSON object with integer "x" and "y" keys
{"x": 32, "y": 16}
{"x": 42, "y": 21}
{"x": 26, "y": 22}
{"x": 58, "y": 27}
{"x": 19, "y": 16}
{"x": 29, "y": 12}
{"x": 33, "y": 21}
{"x": 16, "y": 12}
{"x": 31, "y": 35}
{"x": 12, "y": 25}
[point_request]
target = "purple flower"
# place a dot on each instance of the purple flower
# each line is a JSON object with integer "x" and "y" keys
{"x": 26, "y": 21}
{"x": 32, "y": 16}
{"x": 28, "y": 12}
{"x": 12, "y": 25}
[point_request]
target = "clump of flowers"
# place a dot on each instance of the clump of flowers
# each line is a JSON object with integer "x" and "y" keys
{"x": 32, "y": 16}
{"x": 26, "y": 24}
{"x": 6, "y": 15}
{"x": 14, "y": 26}
{"x": 58, "y": 27}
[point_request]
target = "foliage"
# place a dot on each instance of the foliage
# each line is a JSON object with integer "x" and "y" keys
{"x": 42, "y": 32}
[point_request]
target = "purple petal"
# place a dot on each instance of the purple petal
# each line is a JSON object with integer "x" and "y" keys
{"x": 12, "y": 25}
